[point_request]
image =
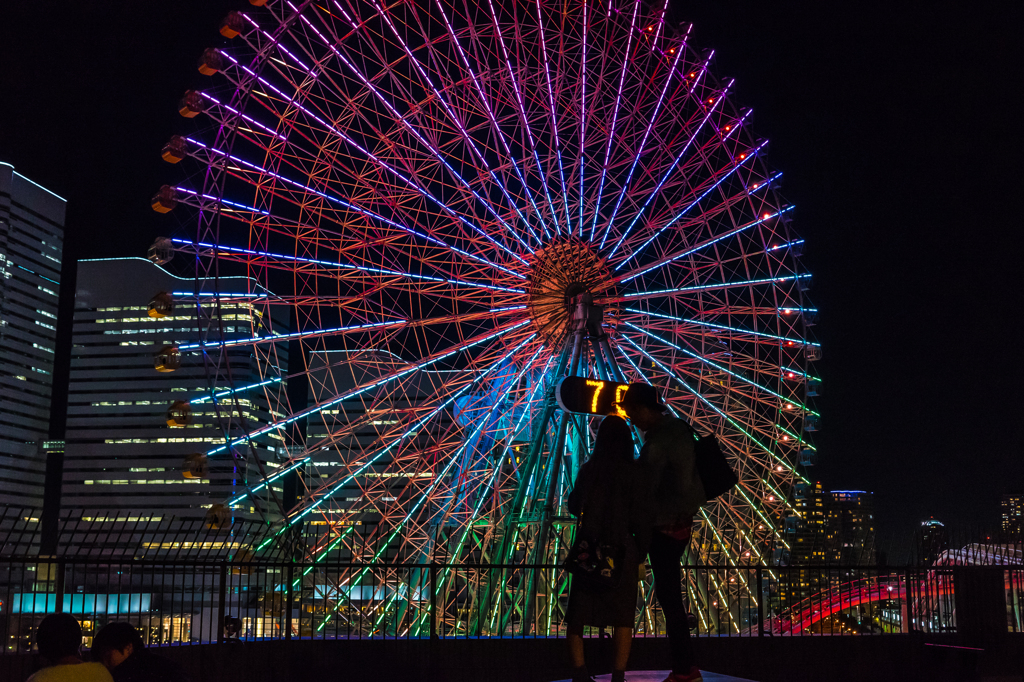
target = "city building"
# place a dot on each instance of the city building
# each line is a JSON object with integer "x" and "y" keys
{"x": 810, "y": 528}
{"x": 806, "y": 533}
{"x": 31, "y": 245}
{"x": 851, "y": 528}
{"x": 932, "y": 541}
{"x": 140, "y": 417}
{"x": 1011, "y": 508}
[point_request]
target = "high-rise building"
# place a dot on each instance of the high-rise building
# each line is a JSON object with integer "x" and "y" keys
{"x": 933, "y": 540}
{"x": 1012, "y": 512}
{"x": 806, "y": 533}
{"x": 851, "y": 528}
{"x": 809, "y": 531}
{"x": 31, "y": 245}
{"x": 131, "y": 427}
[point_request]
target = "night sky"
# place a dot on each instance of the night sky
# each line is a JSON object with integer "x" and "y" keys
{"x": 898, "y": 127}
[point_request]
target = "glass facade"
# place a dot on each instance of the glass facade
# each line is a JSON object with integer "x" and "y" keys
{"x": 130, "y": 427}
{"x": 31, "y": 246}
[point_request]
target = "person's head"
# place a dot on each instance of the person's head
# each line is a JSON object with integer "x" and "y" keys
{"x": 59, "y": 636}
{"x": 641, "y": 404}
{"x": 114, "y": 643}
{"x": 614, "y": 440}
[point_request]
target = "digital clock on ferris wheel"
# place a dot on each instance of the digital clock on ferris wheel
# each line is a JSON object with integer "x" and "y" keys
{"x": 583, "y": 395}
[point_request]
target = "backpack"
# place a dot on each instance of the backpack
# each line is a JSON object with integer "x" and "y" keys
{"x": 715, "y": 473}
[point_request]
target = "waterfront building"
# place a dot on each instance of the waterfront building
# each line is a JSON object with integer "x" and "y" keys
{"x": 851, "y": 528}
{"x": 1011, "y": 509}
{"x": 932, "y": 541}
{"x": 140, "y": 418}
{"x": 31, "y": 246}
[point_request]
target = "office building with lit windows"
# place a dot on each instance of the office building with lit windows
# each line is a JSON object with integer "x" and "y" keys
{"x": 31, "y": 244}
{"x": 807, "y": 536}
{"x": 131, "y": 427}
{"x": 851, "y": 528}
{"x": 1012, "y": 512}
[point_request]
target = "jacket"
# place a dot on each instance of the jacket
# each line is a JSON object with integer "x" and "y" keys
{"x": 669, "y": 463}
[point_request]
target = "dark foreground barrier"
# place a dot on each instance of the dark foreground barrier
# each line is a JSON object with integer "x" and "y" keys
{"x": 897, "y": 658}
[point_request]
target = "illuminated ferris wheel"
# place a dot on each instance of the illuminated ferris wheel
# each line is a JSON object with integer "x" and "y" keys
{"x": 457, "y": 204}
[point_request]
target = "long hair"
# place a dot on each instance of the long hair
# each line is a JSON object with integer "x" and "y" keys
{"x": 614, "y": 442}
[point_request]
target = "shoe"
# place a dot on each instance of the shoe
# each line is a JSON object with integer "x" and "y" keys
{"x": 693, "y": 675}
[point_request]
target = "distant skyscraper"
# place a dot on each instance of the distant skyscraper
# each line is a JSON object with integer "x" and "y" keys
{"x": 933, "y": 541}
{"x": 810, "y": 529}
{"x": 851, "y": 524}
{"x": 1012, "y": 508}
{"x": 806, "y": 534}
{"x": 31, "y": 245}
{"x": 126, "y": 447}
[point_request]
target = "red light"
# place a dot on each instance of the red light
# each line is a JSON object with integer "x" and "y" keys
{"x": 766, "y": 215}
{"x": 728, "y": 128}
{"x": 743, "y": 156}
{"x": 692, "y": 75}
{"x": 771, "y": 498}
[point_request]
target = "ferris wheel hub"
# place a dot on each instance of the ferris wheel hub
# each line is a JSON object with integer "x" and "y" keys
{"x": 561, "y": 273}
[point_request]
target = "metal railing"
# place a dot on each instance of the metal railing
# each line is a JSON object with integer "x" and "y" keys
{"x": 195, "y": 601}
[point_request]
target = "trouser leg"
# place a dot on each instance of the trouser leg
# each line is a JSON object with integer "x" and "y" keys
{"x": 665, "y": 554}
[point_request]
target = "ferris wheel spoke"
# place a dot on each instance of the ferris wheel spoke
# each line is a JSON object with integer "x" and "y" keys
{"x": 426, "y": 494}
{"x": 459, "y": 122}
{"x": 554, "y": 119}
{"x": 707, "y": 112}
{"x": 687, "y": 251}
{"x": 739, "y": 330}
{"x": 719, "y": 178}
{"x": 524, "y": 120}
{"x": 334, "y": 269}
{"x": 434, "y": 151}
{"x": 412, "y": 367}
{"x": 680, "y": 49}
{"x": 615, "y": 118}
{"x": 636, "y": 296}
{"x": 399, "y": 435}
{"x": 293, "y": 101}
{"x": 423, "y": 235}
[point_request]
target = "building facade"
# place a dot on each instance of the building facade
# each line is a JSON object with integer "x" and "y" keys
{"x": 133, "y": 432}
{"x": 851, "y": 528}
{"x": 1011, "y": 508}
{"x": 31, "y": 246}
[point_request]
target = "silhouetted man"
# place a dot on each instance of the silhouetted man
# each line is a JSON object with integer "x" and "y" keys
{"x": 676, "y": 494}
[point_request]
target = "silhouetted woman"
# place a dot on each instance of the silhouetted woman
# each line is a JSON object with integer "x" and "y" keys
{"x": 608, "y": 499}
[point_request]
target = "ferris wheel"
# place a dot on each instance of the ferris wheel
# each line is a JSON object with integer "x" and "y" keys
{"x": 457, "y": 204}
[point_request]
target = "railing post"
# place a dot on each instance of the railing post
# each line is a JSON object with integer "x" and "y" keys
{"x": 289, "y": 578}
{"x": 433, "y": 600}
{"x": 58, "y": 586}
{"x": 909, "y": 601}
{"x": 222, "y": 602}
{"x": 760, "y": 603}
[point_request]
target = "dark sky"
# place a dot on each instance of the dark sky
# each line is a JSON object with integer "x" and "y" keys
{"x": 898, "y": 127}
